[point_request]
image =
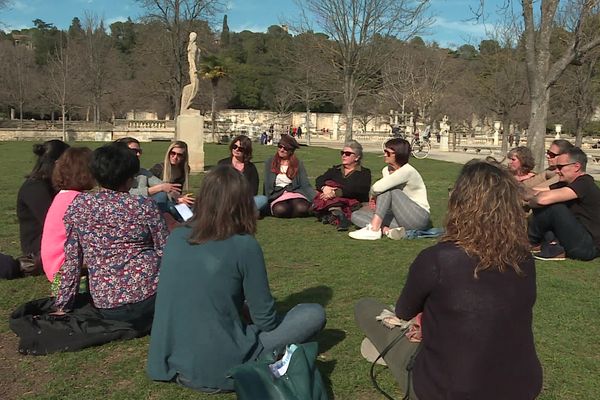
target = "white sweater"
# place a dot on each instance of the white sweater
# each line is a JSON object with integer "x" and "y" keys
{"x": 408, "y": 179}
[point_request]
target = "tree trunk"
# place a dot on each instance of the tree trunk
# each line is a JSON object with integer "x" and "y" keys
{"x": 578, "y": 132}
{"x": 505, "y": 134}
{"x": 213, "y": 110}
{"x": 307, "y": 133}
{"x": 349, "y": 105}
{"x": 536, "y": 135}
{"x": 64, "y": 131}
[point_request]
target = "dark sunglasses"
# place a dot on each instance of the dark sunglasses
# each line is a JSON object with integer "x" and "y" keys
{"x": 280, "y": 146}
{"x": 346, "y": 153}
{"x": 176, "y": 154}
{"x": 238, "y": 148}
{"x": 561, "y": 166}
{"x": 551, "y": 154}
{"x": 136, "y": 151}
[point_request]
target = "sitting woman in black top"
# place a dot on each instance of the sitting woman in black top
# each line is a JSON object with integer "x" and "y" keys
{"x": 476, "y": 291}
{"x": 35, "y": 196}
{"x": 241, "y": 159}
{"x": 343, "y": 187}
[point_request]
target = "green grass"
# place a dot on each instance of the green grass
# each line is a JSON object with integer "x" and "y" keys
{"x": 307, "y": 261}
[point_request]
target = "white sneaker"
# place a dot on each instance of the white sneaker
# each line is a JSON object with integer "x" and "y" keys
{"x": 396, "y": 233}
{"x": 365, "y": 234}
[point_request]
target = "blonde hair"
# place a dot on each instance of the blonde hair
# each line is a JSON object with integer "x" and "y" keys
{"x": 185, "y": 165}
{"x": 485, "y": 217}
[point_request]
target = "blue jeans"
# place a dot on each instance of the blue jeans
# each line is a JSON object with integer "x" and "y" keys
{"x": 297, "y": 326}
{"x": 162, "y": 201}
{"x": 260, "y": 201}
{"x": 570, "y": 233}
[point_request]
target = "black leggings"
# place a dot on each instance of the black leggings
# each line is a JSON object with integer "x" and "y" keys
{"x": 291, "y": 208}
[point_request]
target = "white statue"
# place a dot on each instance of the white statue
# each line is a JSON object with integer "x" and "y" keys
{"x": 190, "y": 91}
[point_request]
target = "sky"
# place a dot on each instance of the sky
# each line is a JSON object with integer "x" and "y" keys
{"x": 452, "y": 26}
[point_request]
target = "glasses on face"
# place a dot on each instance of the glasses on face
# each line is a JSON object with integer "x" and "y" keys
{"x": 561, "y": 166}
{"x": 551, "y": 154}
{"x": 346, "y": 153}
{"x": 136, "y": 151}
{"x": 238, "y": 148}
{"x": 388, "y": 152}
{"x": 176, "y": 154}
{"x": 280, "y": 146}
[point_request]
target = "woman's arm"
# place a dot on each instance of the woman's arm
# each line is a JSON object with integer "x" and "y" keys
{"x": 305, "y": 185}
{"x": 396, "y": 178}
{"x": 422, "y": 277}
{"x": 256, "y": 287}
{"x": 321, "y": 179}
{"x": 70, "y": 272}
{"x": 252, "y": 175}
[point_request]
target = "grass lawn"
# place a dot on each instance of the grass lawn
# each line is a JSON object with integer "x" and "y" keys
{"x": 307, "y": 262}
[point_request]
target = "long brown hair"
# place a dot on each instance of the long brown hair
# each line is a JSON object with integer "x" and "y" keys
{"x": 185, "y": 165}
{"x": 246, "y": 144}
{"x": 224, "y": 207}
{"x": 290, "y": 145}
{"x": 486, "y": 219}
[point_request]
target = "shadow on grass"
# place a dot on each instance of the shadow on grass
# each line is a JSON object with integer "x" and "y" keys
{"x": 326, "y": 369}
{"x": 318, "y": 294}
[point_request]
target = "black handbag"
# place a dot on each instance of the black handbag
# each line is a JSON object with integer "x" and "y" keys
{"x": 301, "y": 381}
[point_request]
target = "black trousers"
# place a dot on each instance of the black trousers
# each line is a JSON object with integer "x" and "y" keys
{"x": 572, "y": 235}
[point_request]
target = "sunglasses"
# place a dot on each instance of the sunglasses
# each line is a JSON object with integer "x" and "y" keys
{"x": 551, "y": 154}
{"x": 346, "y": 153}
{"x": 388, "y": 152}
{"x": 136, "y": 151}
{"x": 176, "y": 154}
{"x": 238, "y": 148}
{"x": 280, "y": 146}
{"x": 561, "y": 166}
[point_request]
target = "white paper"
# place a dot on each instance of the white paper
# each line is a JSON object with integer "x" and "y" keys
{"x": 184, "y": 211}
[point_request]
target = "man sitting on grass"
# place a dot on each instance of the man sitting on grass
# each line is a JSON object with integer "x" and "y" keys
{"x": 570, "y": 209}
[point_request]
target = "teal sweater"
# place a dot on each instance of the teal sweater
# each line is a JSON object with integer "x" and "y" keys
{"x": 197, "y": 330}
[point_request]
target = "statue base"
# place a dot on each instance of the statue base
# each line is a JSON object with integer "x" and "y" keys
{"x": 444, "y": 145}
{"x": 190, "y": 129}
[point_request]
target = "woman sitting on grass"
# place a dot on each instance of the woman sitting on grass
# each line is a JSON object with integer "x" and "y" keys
{"x": 399, "y": 199}
{"x": 175, "y": 169}
{"x": 521, "y": 164}
{"x": 476, "y": 291}
{"x": 286, "y": 182}
{"x": 212, "y": 268}
{"x": 119, "y": 237}
{"x": 71, "y": 176}
{"x": 341, "y": 185}
{"x": 241, "y": 159}
{"x": 34, "y": 199}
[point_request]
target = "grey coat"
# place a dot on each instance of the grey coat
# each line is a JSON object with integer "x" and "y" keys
{"x": 300, "y": 184}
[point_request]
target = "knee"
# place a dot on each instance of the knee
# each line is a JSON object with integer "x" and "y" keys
{"x": 366, "y": 309}
{"x": 314, "y": 314}
{"x": 280, "y": 210}
{"x": 301, "y": 208}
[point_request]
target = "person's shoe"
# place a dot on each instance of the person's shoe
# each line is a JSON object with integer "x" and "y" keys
{"x": 535, "y": 248}
{"x": 369, "y": 352}
{"x": 365, "y": 234}
{"x": 396, "y": 233}
{"x": 551, "y": 252}
{"x": 343, "y": 222}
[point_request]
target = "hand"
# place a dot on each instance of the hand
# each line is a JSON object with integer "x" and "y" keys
{"x": 372, "y": 203}
{"x": 328, "y": 193}
{"x": 187, "y": 199}
{"x": 57, "y": 313}
{"x": 172, "y": 188}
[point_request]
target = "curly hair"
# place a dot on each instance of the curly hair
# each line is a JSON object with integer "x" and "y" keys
{"x": 525, "y": 156}
{"x": 485, "y": 217}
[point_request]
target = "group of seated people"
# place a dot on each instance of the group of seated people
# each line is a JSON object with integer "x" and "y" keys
{"x": 115, "y": 240}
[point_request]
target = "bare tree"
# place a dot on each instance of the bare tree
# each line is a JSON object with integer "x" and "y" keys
{"x": 415, "y": 78}
{"x": 580, "y": 93}
{"x": 357, "y": 28}
{"x": 574, "y": 17}
{"x": 17, "y": 68}
{"x": 178, "y": 18}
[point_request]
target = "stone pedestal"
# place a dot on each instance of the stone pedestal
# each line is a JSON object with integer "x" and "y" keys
{"x": 190, "y": 129}
{"x": 444, "y": 142}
